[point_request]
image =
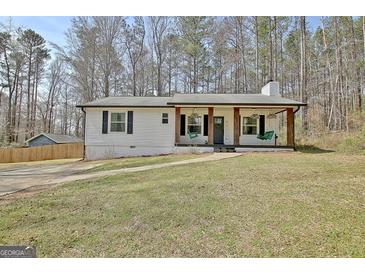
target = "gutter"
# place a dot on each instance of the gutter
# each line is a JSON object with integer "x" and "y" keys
{"x": 191, "y": 104}
{"x": 298, "y": 107}
{"x": 235, "y": 104}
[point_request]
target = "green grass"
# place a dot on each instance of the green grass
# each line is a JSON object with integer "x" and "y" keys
{"x": 255, "y": 205}
{"x": 142, "y": 161}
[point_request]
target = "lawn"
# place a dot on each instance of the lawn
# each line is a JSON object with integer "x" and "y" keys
{"x": 143, "y": 161}
{"x": 255, "y": 205}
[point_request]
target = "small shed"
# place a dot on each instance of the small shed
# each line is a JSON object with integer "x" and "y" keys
{"x": 51, "y": 139}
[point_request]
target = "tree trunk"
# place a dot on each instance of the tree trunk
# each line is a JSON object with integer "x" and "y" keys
{"x": 28, "y": 94}
{"x": 257, "y": 54}
{"x": 270, "y": 51}
{"x": 303, "y": 70}
{"x": 355, "y": 68}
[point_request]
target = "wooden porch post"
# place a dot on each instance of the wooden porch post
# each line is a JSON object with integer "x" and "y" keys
{"x": 236, "y": 126}
{"x": 210, "y": 125}
{"x": 177, "y": 125}
{"x": 289, "y": 127}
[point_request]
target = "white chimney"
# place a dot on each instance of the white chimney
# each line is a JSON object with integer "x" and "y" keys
{"x": 271, "y": 89}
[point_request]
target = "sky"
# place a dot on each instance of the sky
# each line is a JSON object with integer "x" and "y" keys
{"x": 52, "y": 28}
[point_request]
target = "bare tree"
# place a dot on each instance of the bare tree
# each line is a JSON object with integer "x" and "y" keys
{"x": 32, "y": 43}
{"x": 134, "y": 41}
{"x": 159, "y": 27}
{"x": 108, "y": 30}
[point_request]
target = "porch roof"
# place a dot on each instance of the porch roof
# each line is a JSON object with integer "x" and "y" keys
{"x": 232, "y": 99}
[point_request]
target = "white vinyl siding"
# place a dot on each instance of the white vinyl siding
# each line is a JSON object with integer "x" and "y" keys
{"x": 148, "y": 131}
{"x": 150, "y": 136}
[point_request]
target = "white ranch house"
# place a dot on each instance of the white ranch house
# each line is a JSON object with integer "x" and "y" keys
{"x": 136, "y": 126}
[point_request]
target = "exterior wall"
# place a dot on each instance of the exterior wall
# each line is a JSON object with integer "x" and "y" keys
{"x": 150, "y": 136}
{"x": 41, "y": 141}
{"x": 270, "y": 124}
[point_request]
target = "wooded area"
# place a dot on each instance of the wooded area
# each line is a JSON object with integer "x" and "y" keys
{"x": 142, "y": 56}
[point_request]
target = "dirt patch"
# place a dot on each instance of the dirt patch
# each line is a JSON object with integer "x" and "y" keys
{"x": 24, "y": 193}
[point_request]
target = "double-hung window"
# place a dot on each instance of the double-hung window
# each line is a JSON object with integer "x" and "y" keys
{"x": 117, "y": 122}
{"x": 165, "y": 118}
{"x": 249, "y": 126}
{"x": 195, "y": 124}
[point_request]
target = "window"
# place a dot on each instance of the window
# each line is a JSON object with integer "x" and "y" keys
{"x": 194, "y": 124}
{"x": 165, "y": 118}
{"x": 249, "y": 126}
{"x": 117, "y": 122}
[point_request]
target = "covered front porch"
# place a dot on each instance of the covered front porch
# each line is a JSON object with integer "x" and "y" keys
{"x": 236, "y": 128}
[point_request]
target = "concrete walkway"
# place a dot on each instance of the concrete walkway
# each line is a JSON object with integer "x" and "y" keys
{"x": 20, "y": 178}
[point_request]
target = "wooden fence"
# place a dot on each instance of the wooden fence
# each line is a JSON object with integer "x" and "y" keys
{"x": 40, "y": 153}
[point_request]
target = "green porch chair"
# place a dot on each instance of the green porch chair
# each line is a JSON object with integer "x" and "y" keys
{"x": 267, "y": 135}
{"x": 192, "y": 134}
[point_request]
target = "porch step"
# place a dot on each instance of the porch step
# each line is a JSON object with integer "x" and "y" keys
{"x": 224, "y": 149}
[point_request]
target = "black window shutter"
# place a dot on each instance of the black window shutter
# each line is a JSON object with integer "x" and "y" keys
{"x": 182, "y": 124}
{"x": 205, "y": 125}
{"x": 262, "y": 124}
{"x": 130, "y": 123}
{"x": 105, "y": 122}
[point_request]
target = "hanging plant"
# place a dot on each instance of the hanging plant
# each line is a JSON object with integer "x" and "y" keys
{"x": 194, "y": 114}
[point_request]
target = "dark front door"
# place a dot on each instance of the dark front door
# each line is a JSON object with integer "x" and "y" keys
{"x": 218, "y": 130}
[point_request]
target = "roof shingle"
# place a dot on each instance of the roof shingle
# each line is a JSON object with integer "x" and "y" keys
{"x": 231, "y": 99}
{"x": 129, "y": 101}
{"x": 193, "y": 99}
{"x": 58, "y": 138}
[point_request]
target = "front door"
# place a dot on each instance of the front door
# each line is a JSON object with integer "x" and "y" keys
{"x": 218, "y": 130}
